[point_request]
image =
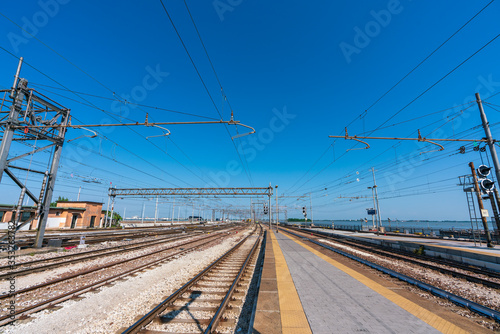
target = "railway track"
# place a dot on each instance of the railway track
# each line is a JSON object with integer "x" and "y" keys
{"x": 471, "y": 305}
{"x": 209, "y": 300}
{"x": 454, "y": 269}
{"x": 70, "y": 238}
{"x": 6, "y": 271}
{"x": 42, "y": 296}
{"x": 92, "y": 237}
{"x": 30, "y": 266}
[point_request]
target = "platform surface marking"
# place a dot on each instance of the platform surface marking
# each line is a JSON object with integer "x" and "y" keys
{"x": 354, "y": 306}
{"x": 293, "y": 318}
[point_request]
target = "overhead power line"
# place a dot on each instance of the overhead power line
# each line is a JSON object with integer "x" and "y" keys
{"x": 413, "y": 100}
{"x": 245, "y": 167}
{"x": 124, "y": 101}
{"x": 420, "y": 63}
{"x": 119, "y": 99}
{"x": 404, "y": 77}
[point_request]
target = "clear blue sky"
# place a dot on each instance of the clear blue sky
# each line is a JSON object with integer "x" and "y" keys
{"x": 295, "y": 71}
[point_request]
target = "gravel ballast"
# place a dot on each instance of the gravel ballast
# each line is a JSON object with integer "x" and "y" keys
{"x": 114, "y": 307}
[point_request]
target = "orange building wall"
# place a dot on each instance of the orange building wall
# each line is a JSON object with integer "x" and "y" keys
{"x": 66, "y": 215}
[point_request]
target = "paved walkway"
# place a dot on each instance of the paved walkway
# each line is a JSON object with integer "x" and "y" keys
{"x": 336, "y": 299}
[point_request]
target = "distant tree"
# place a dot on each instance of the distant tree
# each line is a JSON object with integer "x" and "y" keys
{"x": 59, "y": 199}
{"x": 116, "y": 218}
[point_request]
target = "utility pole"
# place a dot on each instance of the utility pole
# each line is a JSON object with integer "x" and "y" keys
{"x": 156, "y": 210}
{"x": 311, "y": 208}
{"x": 493, "y": 152}
{"x": 8, "y": 133}
{"x": 112, "y": 211}
{"x": 277, "y": 210}
{"x": 106, "y": 217}
{"x": 489, "y": 139}
{"x": 270, "y": 211}
{"x": 481, "y": 206}
{"x": 376, "y": 198}
{"x": 143, "y": 207}
{"x": 374, "y": 206}
{"x": 173, "y": 212}
{"x": 251, "y": 212}
{"x": 79, "y": 190}
{"x": 497, "y": 198}
{"x": 495, "y": 211}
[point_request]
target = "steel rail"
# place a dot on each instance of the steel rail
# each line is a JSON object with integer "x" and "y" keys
{"x": 109, "y": 265}
{"x": 28, "y": 271}
{"x": 91, "y": 239}
{"x": 259, "y": 279}
{"x": 430, "y": 266}
{"x": 101, "y": 252}
{"x": 473, "y": 306}
{"x": 220, "y": 311}
{"x": 74, "y": 293}
{"x": 403, "y": 256}
{"x": 108, "y": 236}
{"x": 158, "y": 309}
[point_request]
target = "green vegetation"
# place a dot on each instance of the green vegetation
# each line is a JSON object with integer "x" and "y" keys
{"x": 59, "y": 199}
{"x": 419, "y": 251}
{"x": 297, "y": 220}
{"x": 116, "y": 219}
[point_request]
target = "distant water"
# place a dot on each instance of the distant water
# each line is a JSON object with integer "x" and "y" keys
{"x": 417, "y": 226}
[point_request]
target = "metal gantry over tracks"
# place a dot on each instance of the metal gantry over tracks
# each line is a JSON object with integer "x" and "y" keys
{"x": 30, "y": 118}
{"x": 39, "y": 123}
{"x": 204, "y": 192}
{"x": 196, "y": 192}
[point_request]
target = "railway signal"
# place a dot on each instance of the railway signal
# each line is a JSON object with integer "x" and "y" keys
{"x": 478, "y": 184}
{"x": 485, "y": 184}
{"x": 483, "y": 171}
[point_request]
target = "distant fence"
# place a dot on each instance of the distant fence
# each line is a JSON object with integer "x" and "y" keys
{"x": 440, "y": 233}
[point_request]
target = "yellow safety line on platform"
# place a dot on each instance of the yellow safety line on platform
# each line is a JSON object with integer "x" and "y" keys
{"x": 293, "y": 318}
{"x": 427, "y": 316}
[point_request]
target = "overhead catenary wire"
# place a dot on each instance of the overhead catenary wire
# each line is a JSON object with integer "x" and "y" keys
{"x": 411, "y": 71}
{"x": 40, "y": 86}
{"x": 464, "y": 133}
{"x": 110, "y": 114}
{"x": 395, "y": 124}
{"x": 419, "y": 64}
{"x": 425, "y": 91}
{"x": 121, "y": 100}
{"x": 247, "y": 172}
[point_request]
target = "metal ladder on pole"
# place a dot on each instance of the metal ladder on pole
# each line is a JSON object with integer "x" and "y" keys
{"x": 474, "y": 220}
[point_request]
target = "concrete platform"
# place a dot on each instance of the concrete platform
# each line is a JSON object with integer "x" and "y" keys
{"x": 304, "y": 291}
{"x": 461, "y": 251}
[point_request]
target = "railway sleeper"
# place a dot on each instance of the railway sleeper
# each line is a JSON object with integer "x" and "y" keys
{"x": 206, "y": 321}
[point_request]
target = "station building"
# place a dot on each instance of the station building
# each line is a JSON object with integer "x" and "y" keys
{"x": 65, "y": 215}
{"x": 73, "y": 214}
